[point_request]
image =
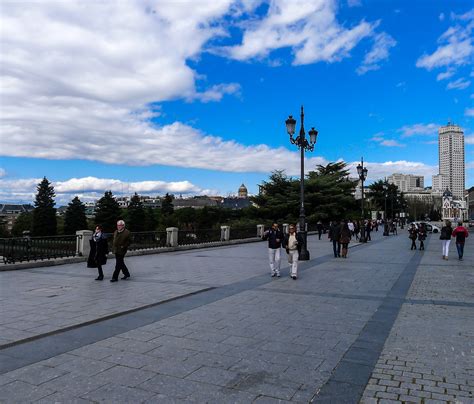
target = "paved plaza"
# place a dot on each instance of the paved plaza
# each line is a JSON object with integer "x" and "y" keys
{"x": 210, "y": 325}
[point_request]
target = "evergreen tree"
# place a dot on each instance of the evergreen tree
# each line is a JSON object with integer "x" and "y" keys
{"x": 75, "y": 217}
{"x": 167, "y": 205}
{"x": 107, "y": 212}
{"x": 136, "y": 214}
{"x": 381, "y": 191}
{"x": 24, "y": 222}
{"x": 44, "y": 214}
{"x": 151, "y": 221}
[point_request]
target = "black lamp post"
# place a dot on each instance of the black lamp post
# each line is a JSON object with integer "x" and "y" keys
{"x": 362, "y": 172}
{"x": 385, "y": 224}
{"x": 303, "y": 145}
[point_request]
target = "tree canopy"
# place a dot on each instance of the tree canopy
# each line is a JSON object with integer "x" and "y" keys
{"x": 107, "y": 212}
{"x": 44, "y": 214}
{"x": 75, "y": 217}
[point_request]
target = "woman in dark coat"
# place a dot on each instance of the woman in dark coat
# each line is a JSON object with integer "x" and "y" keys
{"x": 422, "y": 236}
{"x": 99, "y": 251}
{"x": 345, "y": 238}
{"x": 412, "y": 235}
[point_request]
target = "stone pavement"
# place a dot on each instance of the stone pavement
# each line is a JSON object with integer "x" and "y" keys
{"x": 387, "y": 324}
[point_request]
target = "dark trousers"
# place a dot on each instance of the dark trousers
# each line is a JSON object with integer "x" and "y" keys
{"x": 101, "y": 273}
{"x": 413, "y": 244}
{"x": 367, "y": 235}
{"x": 336, "y": 246}
{"x": 460, "y": 247}
{"x": 319, "y": 234}
{"x": 120, "y": 266}
{"x": 422, "y": 245}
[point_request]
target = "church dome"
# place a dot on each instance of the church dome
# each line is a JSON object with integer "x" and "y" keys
{"x": 243, "y": 193}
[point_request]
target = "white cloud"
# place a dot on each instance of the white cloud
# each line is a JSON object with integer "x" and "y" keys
{"x": 441, "y": 17}
{"x": 469, "y": 139}
{"x": 217, "y": 92}
{"x": 469, "y": 112}
{"x": 459, "y": 84}
{"x": 455, "y": 46}
{"x": 3, "y": 173}
{"x": 445, "y": 75}
{"x": 379, "y": 52}
{"x": 92, "y": 188}
{"x": 429, "y": 129}
{"x": 386, "y": 142}
{"x": 377, "y": 170}
{"x": 308, "y": 27}
{"x": 354, "y": 3}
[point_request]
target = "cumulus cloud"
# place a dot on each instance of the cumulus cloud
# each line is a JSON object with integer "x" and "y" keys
{"x": 2, "y": 172}
{"x": 308, "y": 27}
{"x": 455, "y": 47}
{"x": 379, "y": 52}
{"x": 422, "y": 129}
{"x": 445, "y": 75}
{"x": 386, "y": 142}
{"x": 92, "y": 188}
{"x": 378, "y": 170}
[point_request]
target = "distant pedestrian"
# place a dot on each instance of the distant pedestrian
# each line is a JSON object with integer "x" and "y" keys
{"x": 275, "y": 237}
{"x": 293, "y": 242}
{"x": 422, "y": 236}
{"x": 445, "y": 237}
{"x": 351, "y": 226}
{"x": 460, "y": 233}
{"x": 120, "y": 247}
{"x": 319, "y": 227}
{"x": 412, "y": 235}
{"x": 345, "y": 238}
{"x": 368, "y": 230}
{"x": 357, "y": 229}
{"x": 98, "y": 252}
{"x": 335, "y": 236}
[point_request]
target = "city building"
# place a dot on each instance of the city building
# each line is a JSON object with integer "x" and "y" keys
{"x": 243, "y": 193}
{"x": 10, "y": 212}
{"x": 407, "y": 182}
{"x": 451, "y": 161}
{"x": 452, "y": 209}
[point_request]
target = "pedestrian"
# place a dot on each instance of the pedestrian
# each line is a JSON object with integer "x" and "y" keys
{"x": 120, "y": 246}
{"x": 274, "y": 236}
{"x": 345, "y": 238}
{"x": 445, "y": 236}
{"x": 412, "y": 235}
{"x": 422, "y": 236}
{"x": 351, "y": 226}
{"x": 368, "y": 230}
{"x": 98, "y": 252}
{"x": 357, "y": 229}
{"x": 460, "y": 233}
{"x": 293, "y": 242}
{"x": 319, "y": 227}
{"x": 335, "y": 236}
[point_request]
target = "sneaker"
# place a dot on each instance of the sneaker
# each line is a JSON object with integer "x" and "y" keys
{"x": 278, "y": 276}
{"x": 114, "y": 280}
{"x": 273, "y": 275}
{"x": 293, "y": 277}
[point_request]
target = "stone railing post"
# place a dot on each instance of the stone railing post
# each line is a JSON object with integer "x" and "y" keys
{"x": 260, "y": 230}
{"x": 83, "y": 247}
{"x": 285, "y": 228}
{"x": 172, "y": 236}
{"x": 225, "y": 233}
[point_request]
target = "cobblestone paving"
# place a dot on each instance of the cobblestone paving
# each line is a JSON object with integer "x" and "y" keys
{"x": 275, "y": 343}
{"x": 429, "y": 355}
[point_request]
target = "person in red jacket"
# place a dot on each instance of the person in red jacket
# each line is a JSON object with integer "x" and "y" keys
{"x": 460, "y": 233}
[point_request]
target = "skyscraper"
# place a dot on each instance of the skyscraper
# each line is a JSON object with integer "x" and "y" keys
{"x": 451, "y": 161}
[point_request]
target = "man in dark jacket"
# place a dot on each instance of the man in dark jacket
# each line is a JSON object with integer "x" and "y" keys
{"x": 460, "y": 233}
{"x": 335, "y": 236}
{"x": 120, "y": 246}
{"x": 274, "y": 237}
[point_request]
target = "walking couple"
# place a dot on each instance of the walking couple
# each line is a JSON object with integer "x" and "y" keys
{"x": 291, "y": 242}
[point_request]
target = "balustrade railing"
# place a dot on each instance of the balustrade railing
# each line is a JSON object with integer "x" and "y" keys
{"x": 187, "y": 237}
{"x": 20, "y": 249}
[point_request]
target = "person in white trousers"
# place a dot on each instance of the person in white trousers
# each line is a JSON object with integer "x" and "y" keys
{"x": 445, "y": 238}
{"x": 293, "y": 243}
{"x": 274, "y": 237}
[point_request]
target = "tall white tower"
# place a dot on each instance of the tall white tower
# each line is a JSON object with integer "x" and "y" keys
{"x": 451, "y": 159}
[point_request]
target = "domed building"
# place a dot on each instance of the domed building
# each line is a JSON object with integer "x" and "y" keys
{"x": 243, "y": 193}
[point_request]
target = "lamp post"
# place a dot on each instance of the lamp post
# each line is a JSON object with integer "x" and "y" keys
{"x": 301, "y": 142}
{"x": 385, "y": 224}
{"x": 362, "y": 172}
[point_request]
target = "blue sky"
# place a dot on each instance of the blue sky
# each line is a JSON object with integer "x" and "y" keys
{"x": 145, "y": 96}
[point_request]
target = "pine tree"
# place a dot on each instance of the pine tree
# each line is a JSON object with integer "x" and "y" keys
{"x": 167, "y": 205}
{"x": 44, "y": 214}
{"x": 75, "y": 217}
{"x": 151, "y": 221}
{"x": 136, "y": 214}
{"x": 107, "y": 212}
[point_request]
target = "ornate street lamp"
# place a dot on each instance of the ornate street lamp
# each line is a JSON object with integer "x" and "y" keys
{"x": 303, "y": 145}
{"x": 362, "y": 172}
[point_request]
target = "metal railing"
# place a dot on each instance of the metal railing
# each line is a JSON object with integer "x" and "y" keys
{"x": 20, "y": 249}
{"x": 239, "y": 233}
{"x": 187, "y": 237}
{"x": 142, "y": 240}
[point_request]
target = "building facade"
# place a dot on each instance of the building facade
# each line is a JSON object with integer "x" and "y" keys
{"x": 451, "y": 161}
{"x": 407, "y": 182}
